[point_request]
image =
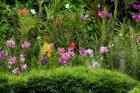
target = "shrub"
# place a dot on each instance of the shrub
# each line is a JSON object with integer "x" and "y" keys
{"x": 74, "y": 80}
{"x": 3, "y": 84}
{"x": 17, "y": 84}
{"x": 135, "y": 90}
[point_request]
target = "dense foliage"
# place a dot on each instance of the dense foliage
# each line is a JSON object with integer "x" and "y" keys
{"x": 70, "y": 80}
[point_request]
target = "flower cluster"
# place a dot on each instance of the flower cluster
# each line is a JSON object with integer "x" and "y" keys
{"x": 16, "y": 71}
{"x": 13, "y": 59}
{"x": 11, "y": 43}
{"x": 64, "y": 56}
{"x": 136, "y": 6}
{"x": 26, "y": 44}
{"x": 103, "y": 50}
{"x": 23, "y": 67}
{"x": 25, "y": 11}
{"x": 86, "y": 52}
{"x": 104, "y": 14}
{"x": 136, "y": 17}
{"x": 46, "y": 49}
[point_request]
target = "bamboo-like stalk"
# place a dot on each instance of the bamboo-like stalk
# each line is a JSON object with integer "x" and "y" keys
{"x": 40, "y": 2}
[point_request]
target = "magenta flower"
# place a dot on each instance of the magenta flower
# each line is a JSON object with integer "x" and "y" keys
{"x": 64, "y": 58}
{"x": 136, "y": 17}
{"x": 86, "y": 52}
{"x": 26, "y": 44}
{"x": 83, "y": 52}
{"x": 24, "y": 66}
{"x": 71, "y": 52}
{"x": 61, "y": 51}
{"x": 136, "y": 6}
{"x": 103, "y": 50}
{"x": 12, "y": 60}
{"x": 104, "y": 14}
{"x": 2, "y": 54}
{"x": 101, "y": 14}
{"x": 11, "y": 43}
{"x": 16, "y": 71}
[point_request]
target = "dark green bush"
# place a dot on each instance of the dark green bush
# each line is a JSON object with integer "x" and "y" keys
{"x": 73, "y": 80}
{"x": 3, "y": 84}
{"x": 18, "y": 86}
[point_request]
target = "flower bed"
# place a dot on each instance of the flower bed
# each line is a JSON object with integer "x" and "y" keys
{"x": 39, "y": 36}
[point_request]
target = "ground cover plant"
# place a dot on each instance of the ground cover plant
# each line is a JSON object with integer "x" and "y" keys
{"x": 67, "y": 34}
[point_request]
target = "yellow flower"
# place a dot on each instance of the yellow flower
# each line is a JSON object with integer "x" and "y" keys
{"x": 46, "y": 49}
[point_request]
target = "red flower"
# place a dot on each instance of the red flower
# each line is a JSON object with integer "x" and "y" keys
{"x": 72, "y": 46}
{"x": 25, "y": 11}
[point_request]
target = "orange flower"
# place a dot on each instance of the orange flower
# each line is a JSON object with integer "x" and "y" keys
{"x": 56, "y": 21}
{"x": 25, "y": 11}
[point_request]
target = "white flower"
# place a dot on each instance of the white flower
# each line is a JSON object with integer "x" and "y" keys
{"x": 33, "y": 11}
{"x": 67, "y": 5}
{"x": 90, "y": 51}
{"x": 111, "y": 45}
{"x": 38, "y": 37}
{"x": 22, "y": 58}
{"x": 95, "y": 65}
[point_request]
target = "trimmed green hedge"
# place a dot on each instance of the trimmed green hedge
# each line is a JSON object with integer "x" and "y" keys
{"x": 3, "y": 84}
{"x": 135, "y": 90}
{"x": 70, "y": 80}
